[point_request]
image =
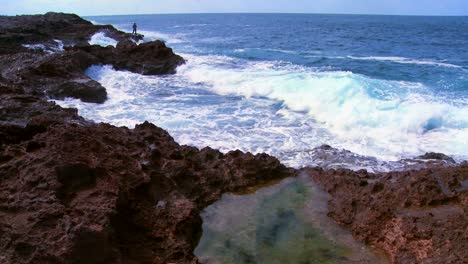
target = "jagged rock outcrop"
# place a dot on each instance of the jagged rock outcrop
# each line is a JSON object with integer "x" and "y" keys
{"x": 414, "y": 216}
{"x": 16, "y": 31}
{"x": 150, "y": 58}
{"x": 100, "y": 194}
{"x": 61, "y": 73}
{"x": 23, "y": 115}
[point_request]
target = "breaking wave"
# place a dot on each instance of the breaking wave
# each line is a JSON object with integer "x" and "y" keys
{"x": 101, "y": 39}
{"x": 283, "y": 109}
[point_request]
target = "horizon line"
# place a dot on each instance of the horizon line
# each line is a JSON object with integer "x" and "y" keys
{"x": 284, "y": 13}
{"x": 264, "y": 13}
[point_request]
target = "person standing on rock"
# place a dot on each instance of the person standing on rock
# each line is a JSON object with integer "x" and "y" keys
{"x": 134, "y": 29}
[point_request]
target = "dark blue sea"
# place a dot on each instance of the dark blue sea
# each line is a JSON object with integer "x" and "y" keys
{"x": 385, "y": 87}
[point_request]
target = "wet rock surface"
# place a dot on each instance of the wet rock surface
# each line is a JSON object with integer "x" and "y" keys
{"x": 150, "y": 58}
{"x": 16, "y": 31}
{"x": 327, "y": 157}
{"x": 417, "y": 216}
{"x": 437, "y": 156}
{"x": 59, "y": 72}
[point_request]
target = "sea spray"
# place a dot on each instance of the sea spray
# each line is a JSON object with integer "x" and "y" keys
{"x": 286, "y": 84}
{"x": 101, "y": 39}
{"x": 282, "y": 109}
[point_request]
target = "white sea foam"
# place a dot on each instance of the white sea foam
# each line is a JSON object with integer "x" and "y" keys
{"x": 48, "y": 48}
{"x": 59, "y": 44}
{"x": 154, "y": 35}
{"x": 366, "y": 115}
{"x": 101, "y": 39}
{"x": 35, "y": 46}
{"x": 282, "y": 109}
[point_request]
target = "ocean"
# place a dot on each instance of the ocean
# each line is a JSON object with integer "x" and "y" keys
{"x": 383, "y": 88}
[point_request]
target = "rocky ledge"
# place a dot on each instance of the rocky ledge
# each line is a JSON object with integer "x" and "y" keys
{"x": 415, "y": 216}
{"x": 72, "y": 191}
{"x": 59, "y": 72}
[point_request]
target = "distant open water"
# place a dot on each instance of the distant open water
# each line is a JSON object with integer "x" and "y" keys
{"x": 388, "y": 87}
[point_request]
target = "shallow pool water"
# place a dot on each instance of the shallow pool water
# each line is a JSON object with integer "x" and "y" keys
{"x": 284, "y": 223}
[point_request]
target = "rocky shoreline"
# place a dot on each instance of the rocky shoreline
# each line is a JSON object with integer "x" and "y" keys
{"x": 72, "y": 191}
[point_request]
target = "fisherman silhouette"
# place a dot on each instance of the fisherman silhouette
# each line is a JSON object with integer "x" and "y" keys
{"x": 134, "y": 29}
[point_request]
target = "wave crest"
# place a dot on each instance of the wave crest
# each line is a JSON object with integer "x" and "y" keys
{"x": 366, "y": 114}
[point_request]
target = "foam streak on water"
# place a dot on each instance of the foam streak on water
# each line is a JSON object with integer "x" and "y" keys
{"x": 406, "y": 61}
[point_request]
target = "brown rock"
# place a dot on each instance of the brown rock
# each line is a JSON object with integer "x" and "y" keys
{"x": 85, "y": 89}
{"x": 102, "y": 194}
{"x": 414, "y": 216}
{"x": 34, "y": 29}
{"x": 62, "y": 73}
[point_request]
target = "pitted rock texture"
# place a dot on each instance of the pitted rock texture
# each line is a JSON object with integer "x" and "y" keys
{"x": 414, "y": 216}
{"x": 61, "y": 73}
{"x": 102, "y": 194}
{"x": 16, "y": 31}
